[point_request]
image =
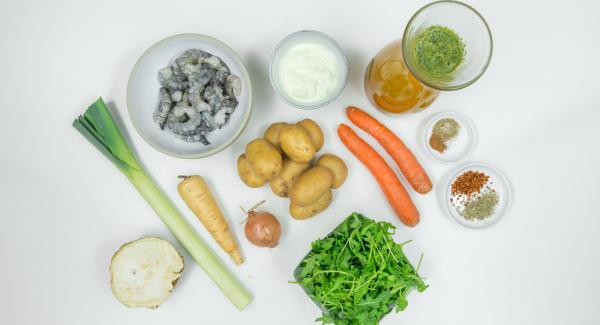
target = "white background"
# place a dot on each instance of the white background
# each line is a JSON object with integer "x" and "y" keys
{"x": 64, "y": 209}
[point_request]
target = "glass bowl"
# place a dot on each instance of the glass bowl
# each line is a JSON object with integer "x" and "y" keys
{"x": 307, "y": 37}
{"x": 142, "y": 96}
{"x": 473, "y": 31}
{"x": 458, "y": 148}
{"x": 498, "y": 181}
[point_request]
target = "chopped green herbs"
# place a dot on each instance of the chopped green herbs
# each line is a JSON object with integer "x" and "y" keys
{"x": 439, "y": 51}
{"x": 357, "y": 274}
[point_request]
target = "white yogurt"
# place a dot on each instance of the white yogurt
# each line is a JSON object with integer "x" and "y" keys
{"x": 308, "y": 69}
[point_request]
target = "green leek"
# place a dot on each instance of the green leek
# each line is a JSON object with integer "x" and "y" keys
{"x": 99, "y": 128}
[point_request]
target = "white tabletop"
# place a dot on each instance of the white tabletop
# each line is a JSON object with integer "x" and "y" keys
{"x": 65, "y": 209}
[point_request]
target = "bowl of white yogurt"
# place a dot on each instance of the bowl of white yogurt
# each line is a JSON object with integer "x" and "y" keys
{"x": 308, "y": 69}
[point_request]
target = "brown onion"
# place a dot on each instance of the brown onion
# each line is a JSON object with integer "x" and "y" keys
{"x": 262, "y": 228}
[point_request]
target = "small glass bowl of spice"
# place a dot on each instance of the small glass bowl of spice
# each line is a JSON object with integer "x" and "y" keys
{"x": 476, "y": 196}
{"x": 449, "y": 137}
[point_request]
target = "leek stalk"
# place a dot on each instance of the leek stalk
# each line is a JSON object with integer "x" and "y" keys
{"x": 99, "y": 128}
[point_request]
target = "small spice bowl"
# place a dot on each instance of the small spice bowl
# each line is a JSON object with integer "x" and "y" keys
{"x": 497, "y": 183}
{"x": 454, "y": 149}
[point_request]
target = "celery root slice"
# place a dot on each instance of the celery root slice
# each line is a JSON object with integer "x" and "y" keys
{"x": 144, "y": 272}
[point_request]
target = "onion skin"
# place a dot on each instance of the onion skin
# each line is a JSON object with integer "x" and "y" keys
{"x": 262, "y": 229}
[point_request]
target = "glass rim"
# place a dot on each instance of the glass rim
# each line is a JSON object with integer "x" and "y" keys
{"x": 415, "y": 71}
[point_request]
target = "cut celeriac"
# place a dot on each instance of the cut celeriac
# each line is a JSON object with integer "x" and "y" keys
{"x": 144, "y": 272}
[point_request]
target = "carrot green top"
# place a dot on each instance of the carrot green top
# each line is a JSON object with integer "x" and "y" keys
{"x": 439, "y": 51}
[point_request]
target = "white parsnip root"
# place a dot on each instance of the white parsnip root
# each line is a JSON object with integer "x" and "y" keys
{"x": 197, "y": 196}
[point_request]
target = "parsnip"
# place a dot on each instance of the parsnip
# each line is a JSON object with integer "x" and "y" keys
{"x": 197, "y": 196}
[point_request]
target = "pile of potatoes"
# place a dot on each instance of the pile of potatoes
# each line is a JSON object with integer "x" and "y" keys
{"x": 284, "y": 158}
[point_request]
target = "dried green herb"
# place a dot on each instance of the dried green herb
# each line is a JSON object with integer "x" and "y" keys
{"x": 443, "y": 131}
{"x": 439, "y": 51}
{"x": 482, "y": 207}
{"x": 446, "y": 128}
{"x": 357, "y": 274}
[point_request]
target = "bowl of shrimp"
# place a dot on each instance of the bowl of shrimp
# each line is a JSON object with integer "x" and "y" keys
{"x": 189, "y": 96}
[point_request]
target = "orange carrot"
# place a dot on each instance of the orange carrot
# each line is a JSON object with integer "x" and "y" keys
{"x": 388, "y": 181}
{"x": 404, "y": 158}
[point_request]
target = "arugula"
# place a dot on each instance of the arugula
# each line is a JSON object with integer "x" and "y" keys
{"x": 357, "y": 274}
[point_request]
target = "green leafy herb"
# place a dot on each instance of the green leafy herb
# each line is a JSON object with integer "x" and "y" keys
{"x": 357, "y": 274}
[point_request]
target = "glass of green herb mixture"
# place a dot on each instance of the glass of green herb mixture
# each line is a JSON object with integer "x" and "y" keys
{"x": 447, "y": 45}
{"x": 357, "y": 274}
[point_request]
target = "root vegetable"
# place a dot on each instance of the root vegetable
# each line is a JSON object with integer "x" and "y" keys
{"x": 144, "y": 272}
{"x": 388, "y": 181}
{"x": 197, "y": 196}
{"x": 311, "y": 185}
{"x": 404, "y": 158}
{"x": 290, "y": 171}
{"x": 337, "y": 166}
{"x": 264, "y": 159}
{"x": 97, "y": 125}
{"x": 272, "y": 134}
{"x": 296, "y": 143}
{"x": 314, "y": 132}
{"x": 309, "y": 211}
{"x": 248, "y": 176}
{"x": 262, "y": 228}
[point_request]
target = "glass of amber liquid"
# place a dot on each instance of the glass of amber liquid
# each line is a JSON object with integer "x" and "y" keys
{"x": 394, "y": 80}
{"x": 392, "y": 87}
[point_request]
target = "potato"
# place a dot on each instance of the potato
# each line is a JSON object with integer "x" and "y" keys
{"x": 314, "y": 132}
{"x": 296, "y": 143}
{"x": 311, "y": 185}
{"x": 301, "y": 213}
{"x": 272, "y": 133}
{"x": 290, "y": 171}
{"x": 264, "y": 159}
{"x": 248, "y": 176}
{"x": 336, "y": 165}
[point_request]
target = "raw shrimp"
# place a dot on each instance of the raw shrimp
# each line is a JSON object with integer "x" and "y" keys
{"x": 214, "y": 62}
{"x": 193, "y": 56}
{"x": 208, "y": 121}
{"x": 202, "y": 77}
{"x": 167, "y": 79}
{"x": 163, "y": 108}
{"x": 220, "y": 117}
{"x": 177, "y": 96}
{"x": 179, "y": 75}
{"x": 199, "y": 135}
{"x": 183, "y": 119}
{"x": 213, "y": 94}
{"x": 233, "y": 86}
{"x": 198, "y": 95}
